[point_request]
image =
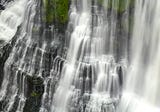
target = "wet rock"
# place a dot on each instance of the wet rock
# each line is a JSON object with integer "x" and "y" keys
{"x": 2, "y": 7}
{"x": 4, "y": 53}
{"x": 34, "y": 93}
{"x": 120, "y": 75}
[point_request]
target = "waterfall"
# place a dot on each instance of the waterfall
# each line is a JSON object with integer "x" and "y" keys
{"x": 89, "y": 78}
{"x": 141, "y": 93}
{"x": 80, "y": 34}
{"x": 101, "y": 63}
{"x": 11, "y": 18}
{"x": 13, "y": 90}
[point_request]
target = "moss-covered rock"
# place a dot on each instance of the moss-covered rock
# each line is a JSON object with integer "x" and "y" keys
{"x": 56, "y": 10}
{"x": 117, "y": 5}
{"x": 35, "y": 94}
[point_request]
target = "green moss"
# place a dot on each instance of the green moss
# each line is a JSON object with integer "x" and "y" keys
{"x": 118, "y": 5}
{"x": 122, "y": 6}
{"x": 100, "y": 2}
{"x": 34, "y": 94}
{"x": 131, "y": 3}
{"x": 56, "y": 10}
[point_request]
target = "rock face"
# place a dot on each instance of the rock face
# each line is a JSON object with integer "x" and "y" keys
{"x": 36, "y": 56}
{"x": 28, "y": 63}
{"x": 2, "y": 7}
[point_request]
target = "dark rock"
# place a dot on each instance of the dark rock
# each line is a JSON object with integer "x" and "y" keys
{"x": 34, "y": 93}
{"x": 2, "y": 7}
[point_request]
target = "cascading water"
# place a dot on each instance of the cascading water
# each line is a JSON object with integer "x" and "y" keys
{"x": 13, "y": 85}
{"x": 141, "y": 93}
{"x": 89, "y": 75}
{"x": 80, "y": 34}
{"x": 11, "y": 18}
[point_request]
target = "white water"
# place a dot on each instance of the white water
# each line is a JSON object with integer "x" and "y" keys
{"x": 142, "y": 92}
{"x": 106, "y": 90}
{"x": 11, "y": 18}
{"x": 90, "y": 75}
{"x": 52, "y": 79}
{"x": 13, "y": 87}
{"x": 81, "y": 32}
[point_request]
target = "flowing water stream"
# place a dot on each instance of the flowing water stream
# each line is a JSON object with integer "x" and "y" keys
{"x": 90, "y": 75}
{"x": 14, "y": 81}
{"x": 11, "y": 18}
{"x": 141, "y": 93}
{"x": 93, "y": 75}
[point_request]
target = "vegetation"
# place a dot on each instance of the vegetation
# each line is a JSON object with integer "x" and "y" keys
{"x": 56, "y": 10}
{"x": 118, "y": 5}
{"x": 35, "y": 94}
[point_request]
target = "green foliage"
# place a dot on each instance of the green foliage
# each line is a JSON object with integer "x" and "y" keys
{"x": 122, "y": 5}
{"x": 118, "y": 5}
{"x": 131, "y": 3}
{"x": 56, "y": 10}
{"x": 35, "y": 94}
{"x": 100, "y": 2}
